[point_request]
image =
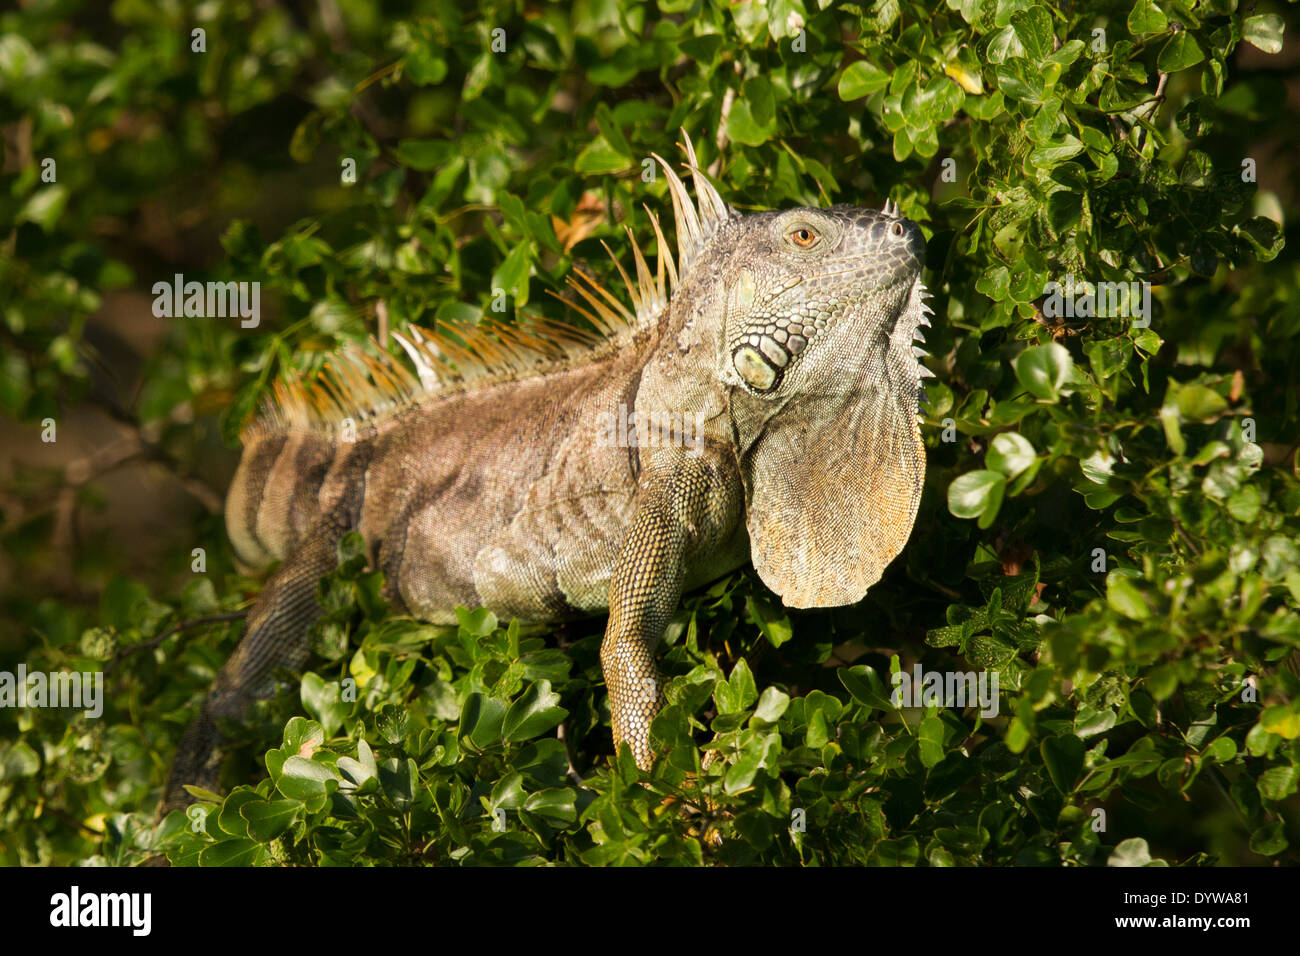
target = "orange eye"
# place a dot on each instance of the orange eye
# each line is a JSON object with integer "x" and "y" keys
{"x": 804, "y": 237}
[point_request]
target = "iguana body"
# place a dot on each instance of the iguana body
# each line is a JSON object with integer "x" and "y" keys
{"x": 788, "y": 337}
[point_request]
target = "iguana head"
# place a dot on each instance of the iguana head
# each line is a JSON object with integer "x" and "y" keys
{"x": 822, "y": 310}
{"x": 817, "y": 294}
{"x": 810, "y": 318}
{"x": 796, "y": 331}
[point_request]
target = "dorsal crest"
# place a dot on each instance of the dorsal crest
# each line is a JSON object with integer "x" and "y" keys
{"x": 364, "y": 385}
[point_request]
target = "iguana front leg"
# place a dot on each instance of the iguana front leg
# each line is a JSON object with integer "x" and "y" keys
{"x": 687, "y": 508}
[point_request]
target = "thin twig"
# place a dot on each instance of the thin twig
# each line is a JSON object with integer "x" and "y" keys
{"x": 1156, "y": 100}
{"x": 72, "y": 821}
{"x": 150, "y": 450}
{"x": 728, "y": 98}
{"x": 181, "y": 626}
{"x": 568, "y": 757}
{"x": 381, "y": 323}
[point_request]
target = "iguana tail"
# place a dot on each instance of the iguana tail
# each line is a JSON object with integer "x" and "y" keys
{"x": 273, "y": 512}
{"x": 275, "y": 637}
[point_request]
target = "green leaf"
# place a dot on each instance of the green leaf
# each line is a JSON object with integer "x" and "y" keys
{"x": 1270, "y": 839}
{"x": 1264, "y": 235}
{"x": 232, "y": 853}
{"x": 266, "y": 821}
{"x": 770, "y": 619}
{"x": 536, "y": 711}
{"x": 744, "y": 126}
{"x": 1034, "y": 28}
{"x": 229, "y": 819}
{"x": 398, "y": 778}
{"x": 1004, "y": 45}
{"x": 738, "y": 692}
{"x": 303, "y": 779}
{"x": 1123, "y": 595}
{"x": 1221, "y": 750}
{"x": 512, "y": 275}
{"x": 929, "y": 741}
{"x": 45, "y": 206}
{"x": 1132, "y": 852}
{"x": 771, "y": 705}
{"x": 392, "y": 722}
{"x": 976, "y": 493}
{"x": 425, "y": 66}
{"x": 1089, "y": 722}
{"x": 1020, "y": 81}
{"x": 1264, "y": 30}
{"x": 1281, "y": 720}
{"x": 1010, "y": 453}
{"x": 600, "y": 158}
{"x": 741, "y": 774}
{"x": 1278, "y": 783}
{"x": 1145, "y": 18}
{"x": 481, "y": 720}
{"x": 17, "y": 761}
{"x": 1055, "y": 151}
{"x": 1063, "y": 758}
{"x": 558, "y": 805}
{"x": 323, "y": 700}
{"x": 424, "y": 154}
{"x": 860, "y": 79}
{"x": 866, "y": 686}
{"x": 1179, "y": 53}
{"x": 1197, "y": 403}
{"x": 1043, "y": 370}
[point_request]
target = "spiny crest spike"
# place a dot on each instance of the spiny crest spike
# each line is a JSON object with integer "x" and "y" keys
{"x": 713, "y": 211}
{"x": 605, "y": 318}
{"x": 427, "y": 343}
{"x": 650, "y": 299}
{"x": 385, "y": 373}
{"x": 582, "y": 311}
{"x": 619, "y": 311}
{"x": 423, "y": 367}
{"x": 638, "y": 306}
{"x": 665, "y": 258}
{"x": 328, "y": 392}
{"x": 355, "y": 390}
{"x": 689, "y": 238}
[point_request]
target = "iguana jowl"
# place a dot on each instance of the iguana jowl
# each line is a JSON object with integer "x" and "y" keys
{"x": 479, "y": 480}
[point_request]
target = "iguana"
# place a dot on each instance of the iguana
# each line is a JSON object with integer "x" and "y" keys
{"x": 482, "y": 475}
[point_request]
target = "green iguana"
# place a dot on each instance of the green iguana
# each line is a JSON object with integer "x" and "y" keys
{"x": 484, "y": 474}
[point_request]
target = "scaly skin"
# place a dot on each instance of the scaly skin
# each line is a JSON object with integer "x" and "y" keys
{"x": 788, "y": 338}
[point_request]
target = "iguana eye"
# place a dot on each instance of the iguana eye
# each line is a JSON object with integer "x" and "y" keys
{"x": 896, "y": 228}
{"x": 803, "y": 237}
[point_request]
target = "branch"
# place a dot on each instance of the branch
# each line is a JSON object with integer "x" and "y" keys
{"x": 125, "y": 652}
{"x": 728, "y": 98}
{"x": 1156, "y": 101}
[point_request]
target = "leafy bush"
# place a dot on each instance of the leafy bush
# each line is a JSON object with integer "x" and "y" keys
{"x": 1110, "y": 516}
